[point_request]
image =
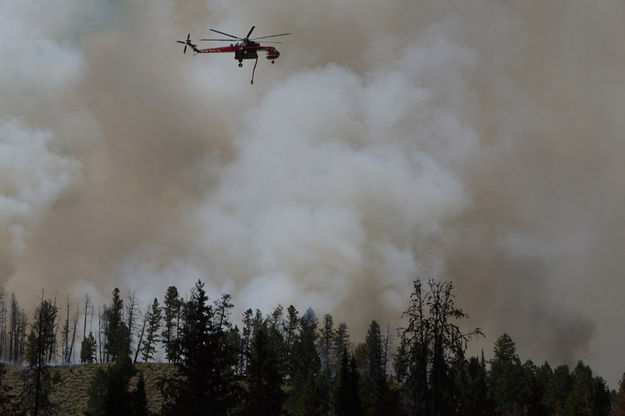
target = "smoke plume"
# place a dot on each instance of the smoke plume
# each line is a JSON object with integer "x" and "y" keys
{"x": 479, "y": 142}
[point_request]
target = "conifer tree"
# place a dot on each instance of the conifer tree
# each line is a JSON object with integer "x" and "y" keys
{"x": 148, "y": 346}
{"x": 36, "y": 390}
{"x": 559, "y": 388}
{"x": 305, "y": 395}
{"x": 472, "y": 385}
{"x": 431, "y": 341}
{"x": 505, "y": 376}
{"x": 347, "y": 396}
{"x": 88, "y": 349}
{"x": 619, "y": 400}
{"x": 207, "y": 362}
{"x": 264, "y": 396}
{"x": 117, "y": 332}
{"x": 171, "y": 311}
{"x": 109, "y": 392}
{"x": 290, "y": 335}
{"x": 375, "y": 383}
{"x": 341, "y": 341}
{"x": 326, "y": 341}
{"x": 139, "y": 398}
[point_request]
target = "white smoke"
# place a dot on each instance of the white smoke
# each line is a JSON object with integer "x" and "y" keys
{"x": 32, "y": 178}
{"x": 392, "y": 140}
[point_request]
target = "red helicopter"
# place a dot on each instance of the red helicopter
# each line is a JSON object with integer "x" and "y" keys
{"x": 245, "y": 49}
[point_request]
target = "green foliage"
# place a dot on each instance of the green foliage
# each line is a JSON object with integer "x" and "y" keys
{"x": 56, "y": 377}
{"x": 88, "y": 349}
{"x": 290, "y": 335}
{"x": 35, "y": 395}
{"x": 430, "y": 342}
{"x": 306, "y": 397}
{"x": 506, "y": 374}
{"x": 148, "y": 346}
{"x": 41, "y": 339}
{"x": 347, "y": 395}
{"x": 5, "y": 399}
{"x": 285, "y": 364}
{"x": 589, "y": 395}
{"x": 374, "y": 384}
{"x": 171, "y": 311}
{"x": 117, "y": 332}
{"x": 619, "y": 400}
{"x": 264, "y": 394}
{"x": 109, "y": 390}
{"x": 139, "y": 399}
{"x": 207, "y": 360}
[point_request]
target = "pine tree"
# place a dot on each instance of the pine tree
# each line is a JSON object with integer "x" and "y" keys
{"x": 326, "y": 342}
{"x": 207, "y": 362}
{"x": 109, "y": 390}
{"x": 148, "y": 346}
{"x": 305, "y": 396}
{"x": 375, "y": 383}
{"x": 559, "y": 388}
{"x": 171, "y": 310}
{"x": 290, "y": 335}
{"x": 88, "y": 349}
{"x": 430, "y": 342}
{"x": 117, "y": 332}
{"x": 347, "y": 397}
{"x": 264, "y": 394}
{"x": 139, "y": 398}
{"x": 473, "y": 389}
{"x": 534, "y": 390}
{"x": 341, "y": 341}
{"x": 505, "y": 376}
{"x": 619, "y": 400}
{"x": 35, "y": 394}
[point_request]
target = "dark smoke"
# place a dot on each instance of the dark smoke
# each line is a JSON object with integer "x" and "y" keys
{"x": 475, "y": 141}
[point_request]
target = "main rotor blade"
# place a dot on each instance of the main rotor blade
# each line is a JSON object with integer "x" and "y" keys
{"x": 223, "y": 33}
{"x": 277, "y": 43}
{"x": 271, "y": 36}
{"x": 182, "y": 41}
{"x": 250, "y": 32}
{"x": 219, "y": 40}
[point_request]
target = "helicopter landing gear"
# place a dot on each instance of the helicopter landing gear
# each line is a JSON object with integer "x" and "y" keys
{"x": 240, "y": 64}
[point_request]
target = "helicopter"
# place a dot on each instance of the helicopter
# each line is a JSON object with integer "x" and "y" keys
{"x": 246, "y": 48}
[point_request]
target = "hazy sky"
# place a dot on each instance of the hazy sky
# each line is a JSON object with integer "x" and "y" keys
{"x": 476, "y": 141}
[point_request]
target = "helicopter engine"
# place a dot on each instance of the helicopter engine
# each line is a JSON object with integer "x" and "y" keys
{"x": 272, "y": 54}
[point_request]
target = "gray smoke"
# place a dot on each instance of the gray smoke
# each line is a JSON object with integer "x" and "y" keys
{"x": 479, "y": 142}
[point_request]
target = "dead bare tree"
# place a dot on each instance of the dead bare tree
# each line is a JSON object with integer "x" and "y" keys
{"x": 145, "y": 320}
{"x": 86, "y": 313}
{"x": 131, "y": 306}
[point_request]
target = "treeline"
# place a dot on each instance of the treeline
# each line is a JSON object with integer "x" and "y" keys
{"x": 293, "y": 363}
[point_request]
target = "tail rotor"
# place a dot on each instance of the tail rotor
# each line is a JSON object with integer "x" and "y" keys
{"x": 186, "y": 43}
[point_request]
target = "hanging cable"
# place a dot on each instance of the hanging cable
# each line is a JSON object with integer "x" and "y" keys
{"x": 254, "y": 70}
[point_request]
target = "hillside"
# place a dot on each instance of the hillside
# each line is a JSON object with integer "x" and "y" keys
{"x": 70, "y": 385}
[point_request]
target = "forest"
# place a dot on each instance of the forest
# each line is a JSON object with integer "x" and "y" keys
{"x": 286, "y": 362}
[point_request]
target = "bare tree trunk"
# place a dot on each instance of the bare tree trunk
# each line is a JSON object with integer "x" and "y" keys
{"x": 13, "y": 329}
{"x": 52, "y": 351}
{"x": 100, "y": 336}
{"x": 40, "y": 355}
{"x": 131, "y": 314}
{"x": 65, "y": 335}
{"x": 84, "y": 325}
{"x": 71, "y": 345}
{"x": 145, "y": 319}
{"x": 385, "y": 350}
